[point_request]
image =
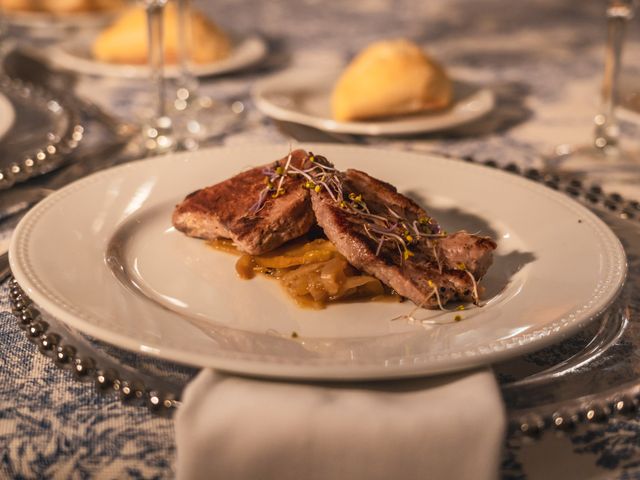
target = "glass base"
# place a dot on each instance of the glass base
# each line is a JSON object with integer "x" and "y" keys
{"x": 588, "y": 158}
{"x": 155, "y": 137}
{"x": 614, "y": 169}
{"x": 203, "y": 121}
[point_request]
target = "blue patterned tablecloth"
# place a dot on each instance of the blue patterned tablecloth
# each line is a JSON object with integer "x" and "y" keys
{"x": 543, "y": 59}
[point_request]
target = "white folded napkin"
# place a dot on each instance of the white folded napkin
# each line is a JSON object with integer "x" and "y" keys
{"x": 447, "y": 427}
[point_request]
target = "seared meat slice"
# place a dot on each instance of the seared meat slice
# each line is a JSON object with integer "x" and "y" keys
{"x": 228, "y": 209}
{"x": 473, "y": 251}
{"x": 431, "y": 271}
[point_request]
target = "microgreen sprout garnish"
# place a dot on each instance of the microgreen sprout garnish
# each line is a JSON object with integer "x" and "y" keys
{"x": 274, "y": 177}
{"x": 409, "y": 316}
{"x": 476, "y": 296}
{"x": 435, "y": 291}
{"x": 438, "y": 320}
{"x": 390, "y": 228}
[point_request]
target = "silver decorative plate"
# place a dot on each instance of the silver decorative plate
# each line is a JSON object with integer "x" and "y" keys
{"x": 44, "y": 131}
{"x": 595, "y": 373}
{"x": 587, "y": 377}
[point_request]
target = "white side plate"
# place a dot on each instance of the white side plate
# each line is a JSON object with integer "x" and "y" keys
{"x": 102, "y": 256}
{"x": 75, "y": 55}
{"x": 303, "y": 96}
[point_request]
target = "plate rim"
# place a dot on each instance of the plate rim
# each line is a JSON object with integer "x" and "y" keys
{"x": 324, "y": 369}
{"x": 371, "y": 128}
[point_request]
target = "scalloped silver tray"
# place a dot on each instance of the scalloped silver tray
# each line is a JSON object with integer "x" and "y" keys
{"x": 44, "y": 132}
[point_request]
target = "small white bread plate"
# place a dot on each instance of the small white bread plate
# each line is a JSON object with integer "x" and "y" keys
{"x": 102, "y": 256}
{"x": 75, "y": 55}
{"x": 304, "y": 96}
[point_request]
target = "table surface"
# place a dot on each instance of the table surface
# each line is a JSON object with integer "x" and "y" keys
{"x": 543, "y": 60}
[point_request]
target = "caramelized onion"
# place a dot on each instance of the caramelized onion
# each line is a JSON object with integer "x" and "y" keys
{"x": 311, "y": 271}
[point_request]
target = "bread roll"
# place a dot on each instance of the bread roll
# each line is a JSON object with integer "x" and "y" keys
{"x": 125, "y": 41}
{"x": 60, "y": 6}
{"x": 390, "y": 77}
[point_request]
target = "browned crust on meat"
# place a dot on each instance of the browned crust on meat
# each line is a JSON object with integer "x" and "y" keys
{"x": 363, "y": 183}
{"x": 222, "y": 211}
{"x": 438, "y": 270}
{"x": 473, "y": 251}
{"x": 360, "y": 252}
{"x": 416, "y": 277}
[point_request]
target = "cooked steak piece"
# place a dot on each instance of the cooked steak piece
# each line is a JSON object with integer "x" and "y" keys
{"x": 472, "y": 251}
{"x": 256, "y": 218}
{"x": 424, "y": 265}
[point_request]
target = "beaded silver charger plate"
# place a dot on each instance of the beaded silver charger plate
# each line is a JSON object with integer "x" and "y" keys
{"x": 588, "y": 376}
{"x": 595, "y": 373}
{"x": 123, "y": 274}
{"x": 43, "y": 131}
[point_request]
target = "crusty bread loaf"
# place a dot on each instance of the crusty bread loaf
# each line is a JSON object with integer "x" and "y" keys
{"x": 60, "y": 6}
{"x": 390, "y": 77}
{"x": 125, "y": 41}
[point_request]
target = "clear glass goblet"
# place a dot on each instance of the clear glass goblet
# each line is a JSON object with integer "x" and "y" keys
{"x": 157, "y": 132}
{"x": 200, "y": 117}
{"x": 606, "y": 150}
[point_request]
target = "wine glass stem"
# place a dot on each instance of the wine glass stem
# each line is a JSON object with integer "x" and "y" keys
{"x": 4, "y": 27}
{"x": 187, "y": 81}
{"x": 155, "y": 31}
{"x": 158, "y": 134}
{"x": 606, "y": 127}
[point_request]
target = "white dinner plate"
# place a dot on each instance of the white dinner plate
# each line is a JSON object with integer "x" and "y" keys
{"x": 75, "y": 55}
{"x": 304, "y": 97}
{"x": 102, "y": 256}
{"x": 7, "y": 115}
